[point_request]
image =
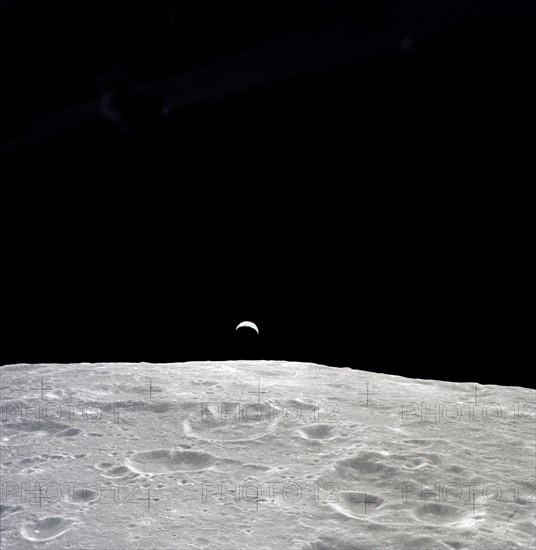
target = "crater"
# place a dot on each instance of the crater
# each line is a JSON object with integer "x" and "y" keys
{"x": 317, "y": 431}
{"x": 356, "y": 503}
{"x": 46, "y": 529}
{"x": 164, "y": 460}
{"x": 103, "y": 465}
{"x": 84, "y": 495}
{"x": 437, "y": 512}
{"x": 31, "y": 460}
{"x": 117, "y": 472}
{"x": 251, "y": 422}
{"x": 368, "y": 464}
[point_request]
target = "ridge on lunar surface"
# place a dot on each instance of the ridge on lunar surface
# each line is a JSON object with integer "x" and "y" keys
{"x": 261, "y": 454}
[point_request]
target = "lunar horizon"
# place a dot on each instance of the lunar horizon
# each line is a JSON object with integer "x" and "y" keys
{"x": 261, "y": 454}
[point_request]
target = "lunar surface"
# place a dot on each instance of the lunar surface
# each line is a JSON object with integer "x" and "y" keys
{"x": 261, "y": 454}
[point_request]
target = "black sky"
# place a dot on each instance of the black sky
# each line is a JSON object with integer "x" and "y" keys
{"x": 342, "y": 173}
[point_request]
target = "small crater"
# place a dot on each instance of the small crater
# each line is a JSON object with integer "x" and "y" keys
{"x": 251, "y": 422}
{"x": 46, "y": 529}
{"x": 117, "y": 472}
{"x": 84, "y": 495}
{"x": 436, "y": 512}
{"x": 317, "y": 431}
{"x": 31, "y": 460}
{"x": 356, "y": 503}
{"x": 368, "y": 464}
{"x": 163, "y": 460}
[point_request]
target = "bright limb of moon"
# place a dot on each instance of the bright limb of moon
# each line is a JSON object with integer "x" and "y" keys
{"x": 248, "y": 324}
